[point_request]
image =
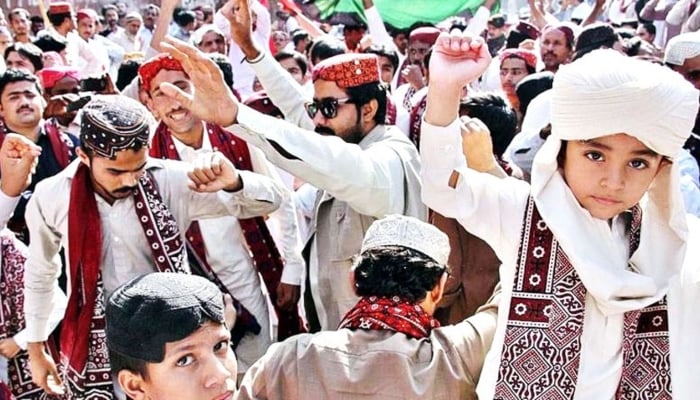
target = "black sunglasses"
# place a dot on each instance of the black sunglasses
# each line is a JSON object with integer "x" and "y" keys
{"x": 328, "y": 107}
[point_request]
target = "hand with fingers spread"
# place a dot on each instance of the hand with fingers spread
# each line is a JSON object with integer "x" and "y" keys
{"x": 239, "y": 17}
{"x": 477, "y": 145}
{"x": 18, "y": 159}
{"x": 458, "y": 58}
{"x": 213, "y": 172}
{"x": 212, "y": 100}
{"x": 43, "y": 370}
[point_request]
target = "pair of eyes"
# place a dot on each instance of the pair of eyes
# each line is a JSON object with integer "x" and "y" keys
{"x": 636, "y": 163}
{"x": 219, "y": 348}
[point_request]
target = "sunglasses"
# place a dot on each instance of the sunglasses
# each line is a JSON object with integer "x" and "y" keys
{"x": 328, "y": 107}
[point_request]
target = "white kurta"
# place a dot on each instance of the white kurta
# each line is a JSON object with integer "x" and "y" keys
{"x": 125, "y": 252}
{"x": 228, "y": 255}
{"x": 493, "y": 209}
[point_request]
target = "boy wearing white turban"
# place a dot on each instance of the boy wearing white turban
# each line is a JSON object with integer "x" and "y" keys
{"x": 597, "y": 302}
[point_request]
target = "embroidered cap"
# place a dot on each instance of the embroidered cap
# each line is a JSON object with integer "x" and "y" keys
{"x": 111, "y": 123}
{"x": 424, "y": 34}
{"x": 348, "y": 70}
{"x": 158, "y": 308}
{"x": 528, "y": 56}
{"x": 410, "y": 232}
{"x": 60, "y": 7}
{"x": 260, "y": 101}
{"x": 86, "y": 13}
{"x": 682, "y": 47}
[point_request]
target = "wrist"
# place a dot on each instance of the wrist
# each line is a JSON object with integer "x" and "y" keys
{"x": 10, "y": 192}
{"x": 35, "y": 348}
{"x": 251, "y": 52}
{"x": 235, "y": 186}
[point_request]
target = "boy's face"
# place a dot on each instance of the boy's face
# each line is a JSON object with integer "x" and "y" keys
{"x": 200, "y": 366}
{"x": 609, "y": 174}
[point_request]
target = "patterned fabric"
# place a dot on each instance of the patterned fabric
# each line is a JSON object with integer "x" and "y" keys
{"x": 417, "y": 120}
{"x": 407, "y": 99}
{"x": 12, "y": 317}
{"x": 394, "y": 314}
{"x": 390, "y": 112}
{"x": 528, "y": 56}
{"x": 84, "y": 355}
{"x": 149, "y": 69}
{"x": 542, "y": 346}
{"x": 348, "y": 70}
{"x": 111, "y": 123}
{"x": 266, "y": 257}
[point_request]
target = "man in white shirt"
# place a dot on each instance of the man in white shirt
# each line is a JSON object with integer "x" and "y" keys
{"x": 129, "y": 38}
{"x": 119, "y": 214}
{"x": 229, "y": 252}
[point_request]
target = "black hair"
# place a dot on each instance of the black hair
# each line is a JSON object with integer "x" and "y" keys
{"x": 325, "y": 47}
{"x": 298, "y": 57}
{"x": 495, "y": 112}
{"x": 394, "y": 31}
{"x": 51, "y": 42}
{"x": 367, "y": 92}
{"x": 532, "y": 86}
{"x": 29, "y": 51}
{"x": 225, "y": 66}
{"x": 650, "y": 27}
{"x": 17, "y": 75}
{"x": 184, "y": 17}
{"x": 128, "y": 71}
{"x": 57, "y": 19}
{"x": 593, "y": 37}
{"x": 108, "y": 7}
{"x": 36, "y": 18}
{"x": 390, "y": 271}
{"x": 119, "y": 362}
{"x": 298, "y": 35}
{"x": 383, "y": 51}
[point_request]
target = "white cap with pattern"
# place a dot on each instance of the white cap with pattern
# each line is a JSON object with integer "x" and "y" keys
{"x": 410, "y": 232}
{"x": 682, "y": 47}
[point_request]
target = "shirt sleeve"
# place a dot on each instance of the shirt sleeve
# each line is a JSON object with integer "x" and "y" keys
{"x": 489, "y": 207}
{"x": 344, "y": 170}
{"x": 377, "y": 30}
{"x": 7, "y": 207}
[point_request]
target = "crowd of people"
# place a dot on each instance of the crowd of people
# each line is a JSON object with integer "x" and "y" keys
{"x": 238, "y": 202}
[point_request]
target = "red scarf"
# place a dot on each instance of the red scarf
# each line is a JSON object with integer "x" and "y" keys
{"x": 417, "y": 120}
{"x": 266, "y": 256}
{"x": 12, "y": 318}
{"x": 547, "y": 313}
{"x": 395, "y": 314}
{"x": 83, "y": 322}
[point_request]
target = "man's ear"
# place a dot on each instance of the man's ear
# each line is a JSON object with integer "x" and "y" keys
{"x": 148, "y": 101}
{"x": 369, "y": 110}
{"x": 83, "y": 157}
{"x": 132, "y": 384}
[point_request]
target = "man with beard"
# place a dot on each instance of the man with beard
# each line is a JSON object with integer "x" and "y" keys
{"x": 556, "y": 46}
{"x": 365, "y": 169}
{"x": 21, "y": 107}
{"x": 150, "y": 15}
{"x": 119, "y": 214}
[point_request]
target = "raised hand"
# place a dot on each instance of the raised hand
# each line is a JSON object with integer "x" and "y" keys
{"x": 414, "y": 76}
{"x": 213, "y": 172}
{"x": 239, "y": 18}
{"x": 211, "y": 100}
{"x": 18, "y": 159}
{"x": 458, "y": 58}
{"x": 477, "y": 145}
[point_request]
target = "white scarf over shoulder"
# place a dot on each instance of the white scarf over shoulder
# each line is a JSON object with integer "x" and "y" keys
{"x": 606, "y": 93}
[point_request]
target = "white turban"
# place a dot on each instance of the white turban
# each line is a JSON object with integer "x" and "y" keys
{"x": 606, "y": 93}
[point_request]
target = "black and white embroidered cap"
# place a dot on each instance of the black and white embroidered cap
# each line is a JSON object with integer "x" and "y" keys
{"x": 111, "y": 123}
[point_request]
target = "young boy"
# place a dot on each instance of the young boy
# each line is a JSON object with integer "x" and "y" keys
{"x": 592, "y": 307}
{"x": 168, "y": 339}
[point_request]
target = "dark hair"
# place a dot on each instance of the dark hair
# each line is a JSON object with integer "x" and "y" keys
{"x": 325, "y": 47}
{"x": 298, "y": 35}
{"x": 119, "y": 362}
{"x": 128, "y": 70}
{"x": 36, "y": 18}
{"x": 29, "y": 51}
{"x": 650, "y": 27}
{"x": 57, "y": 19}
{"x": 594, "y": 37}
{"x": 108, "y": 7}
{"x": 532, "y": 86}
{"x": 184, "y": 17}
{"x": 17, "y": 75}
{"x": 363, "y": 94}
{"x": 495, "y": 112}
{"x": 394, "y": 31}
{"x": 51, "y": 42}
{"x": 225, "y": 66}
{"x": 390, "y": 271}
{"x": 298, "y": 57}
{"x": 383, "y": 51}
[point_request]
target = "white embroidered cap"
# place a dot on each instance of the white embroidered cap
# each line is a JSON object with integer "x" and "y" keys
{"x": 682, "y": 47}
{"x": 400, "y": 230}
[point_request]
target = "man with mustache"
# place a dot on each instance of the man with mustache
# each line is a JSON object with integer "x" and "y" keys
{"x": 21, "y": 107}
{"x": 363, "y": 168}
{"x": 119, "y": 214}
{"x": 223, "y": 246}
{"x": 556, "y": 46}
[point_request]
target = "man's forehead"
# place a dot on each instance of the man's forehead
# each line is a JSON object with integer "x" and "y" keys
{"x": 324, "y": 88}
